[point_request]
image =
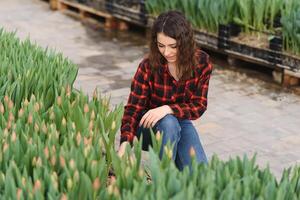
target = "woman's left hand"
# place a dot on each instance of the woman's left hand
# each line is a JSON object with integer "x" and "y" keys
{"x": 151, "y": 117}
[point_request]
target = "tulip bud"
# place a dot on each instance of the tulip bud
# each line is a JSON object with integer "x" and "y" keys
{"x": 73, "y": 125}
{"x": 6, "y": 99}
{"x": 55, "y": 184}
{"x": 11, "y": 117}
{"x": 106, "y": 103}
{"x": 132, "y": 160}
{"x": 86, "y": 150}
{"x": 37, "y": 185}
{"x": 86, "y": 108}
{"x": 110, "y": 189}
{"x": 30, "y": 119}
{"x": 62, "y": 161}
{"x": 95, "y": 94}
{"x": 78, "y": 138}
{"x": 116, "y": 191}
{"x": 72, "y": 164}
{"x": 5, "y": 132}
{"x": 168, "y": 152}
{"x": 53, "y": 160}
{"x": 64, "y": 122}
{"x": 36, "y": 127}
{"x": 192, "y": 152}
{"x": 53, "y": 149}
{"x": 158, "y": 135}
{"x": 73, "y": 103}
{"x": 87, "y": 141}
{"x": 2, "y": 108}
{"x": 39, "y": 162}
{"x": 127, "y": 172}
{"x": 21, "y": 112}
{"x": 30, "y": 141}
{"x": 8, "y": 125}
{"x": 32, "y": 98}
{"x": 46, "y": 152}
{"x": 93, "y": 115}
{"x": 44, "y": 128}
{"x": 59, "y": 100}
{"x": 10, "y": 104}
{"x": 76, "y": 176}
{"x": 2, "y": 177}
{"x": 26, "y": 103}
{"x": 5, "y": 147}
{"x": 19, "y": 193}
{"x": 23, "y": 181}
{"x": 113, "y": 125}
{"x": 33, "y": 161}
{"x": 91, "y": 125}
{"x": 13, "y": 136}
{"x": 69, "y": 184}
{"x": 93, "y": 163}
{"x": 96, "y": 184}
{"x": 68, "y": 91}
{"x": 141, "y": 173}
{"x": 36, "y": 107}
{"x": 52, "y": 115}
{"x": 64, "y": 197}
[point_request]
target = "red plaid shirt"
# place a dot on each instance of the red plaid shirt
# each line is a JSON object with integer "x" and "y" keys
{"x": 187, "y": 99}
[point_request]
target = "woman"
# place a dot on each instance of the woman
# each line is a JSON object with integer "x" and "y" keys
{"x": 168, "y": 90}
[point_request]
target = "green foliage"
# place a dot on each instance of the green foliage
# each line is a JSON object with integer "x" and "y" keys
{"x": 291, "y": 26}
{"x": 27, "y": 69}
{"x": 65, "y": 150}
{"x": 254, "y": 16}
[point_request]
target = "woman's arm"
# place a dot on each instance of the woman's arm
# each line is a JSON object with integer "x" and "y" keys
{"x": 137, "y": 102}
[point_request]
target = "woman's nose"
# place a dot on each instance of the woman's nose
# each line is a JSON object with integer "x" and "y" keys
{"x": 167, "y": 51}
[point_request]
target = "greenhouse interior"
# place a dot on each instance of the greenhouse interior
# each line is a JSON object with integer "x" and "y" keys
{"x": 79, "y": 81}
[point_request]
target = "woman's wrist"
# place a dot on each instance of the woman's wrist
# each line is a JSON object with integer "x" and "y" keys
{"x": 168, "y": 109}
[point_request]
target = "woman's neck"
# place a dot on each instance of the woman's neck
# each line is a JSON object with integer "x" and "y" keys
{"x": 173, "y": 70}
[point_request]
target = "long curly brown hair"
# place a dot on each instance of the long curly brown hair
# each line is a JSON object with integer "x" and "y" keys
{"x": 174, "y": 24}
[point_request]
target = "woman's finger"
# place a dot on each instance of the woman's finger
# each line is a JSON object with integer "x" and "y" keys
{"x": 142, "y": 121}
{"x": 148, "y": 121}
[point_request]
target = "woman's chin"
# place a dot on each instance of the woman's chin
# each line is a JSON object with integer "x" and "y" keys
{"x": 171, "y": 60}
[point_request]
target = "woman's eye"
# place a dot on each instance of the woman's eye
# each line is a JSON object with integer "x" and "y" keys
{"x": 160, "y": 46}
{"x": 173, "y": 47}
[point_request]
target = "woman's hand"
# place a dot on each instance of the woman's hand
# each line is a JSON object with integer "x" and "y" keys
{"x": 151, "y": 117}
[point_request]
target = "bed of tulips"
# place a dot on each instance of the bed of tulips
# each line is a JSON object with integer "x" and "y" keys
{"x": 65, "y": 149}
{"x": 22, "y": 66}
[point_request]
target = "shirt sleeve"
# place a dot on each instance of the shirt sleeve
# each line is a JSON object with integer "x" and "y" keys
{"x": 137, "y": 103}
{"x": 198, "y": 103}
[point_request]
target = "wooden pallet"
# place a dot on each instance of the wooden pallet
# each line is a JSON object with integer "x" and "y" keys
{"x": 83, "y": 11}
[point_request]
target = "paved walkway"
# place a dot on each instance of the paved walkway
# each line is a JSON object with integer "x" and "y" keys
{"x": 245, "y": 114}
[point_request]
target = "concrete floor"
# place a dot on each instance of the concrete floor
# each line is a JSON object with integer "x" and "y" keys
{"x": 245, "y": 113}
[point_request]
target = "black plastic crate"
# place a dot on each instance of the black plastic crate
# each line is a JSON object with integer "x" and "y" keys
{"x": 225, "y": 31}
{"x": 133, "y": 11}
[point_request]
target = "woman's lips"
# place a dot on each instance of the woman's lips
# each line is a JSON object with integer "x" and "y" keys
{"x": 170, "y": 58}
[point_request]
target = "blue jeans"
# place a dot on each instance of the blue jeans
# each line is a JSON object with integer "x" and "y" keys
{"x": 179, "y": 132}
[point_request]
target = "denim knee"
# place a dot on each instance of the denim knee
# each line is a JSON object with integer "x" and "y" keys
{"x": 169, "y": 125}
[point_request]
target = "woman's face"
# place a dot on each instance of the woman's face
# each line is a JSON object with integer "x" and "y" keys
{"x": 167, "y": 46}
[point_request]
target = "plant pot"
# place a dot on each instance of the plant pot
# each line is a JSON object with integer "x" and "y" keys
{"x": 224, "y": 31}
{"x": 277, "y": 22}
{"x": 275, "y": 43}
{"x": 223, "y": 36}
{"x": 234, "y": 29}
{"x": 275, "y": 57}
